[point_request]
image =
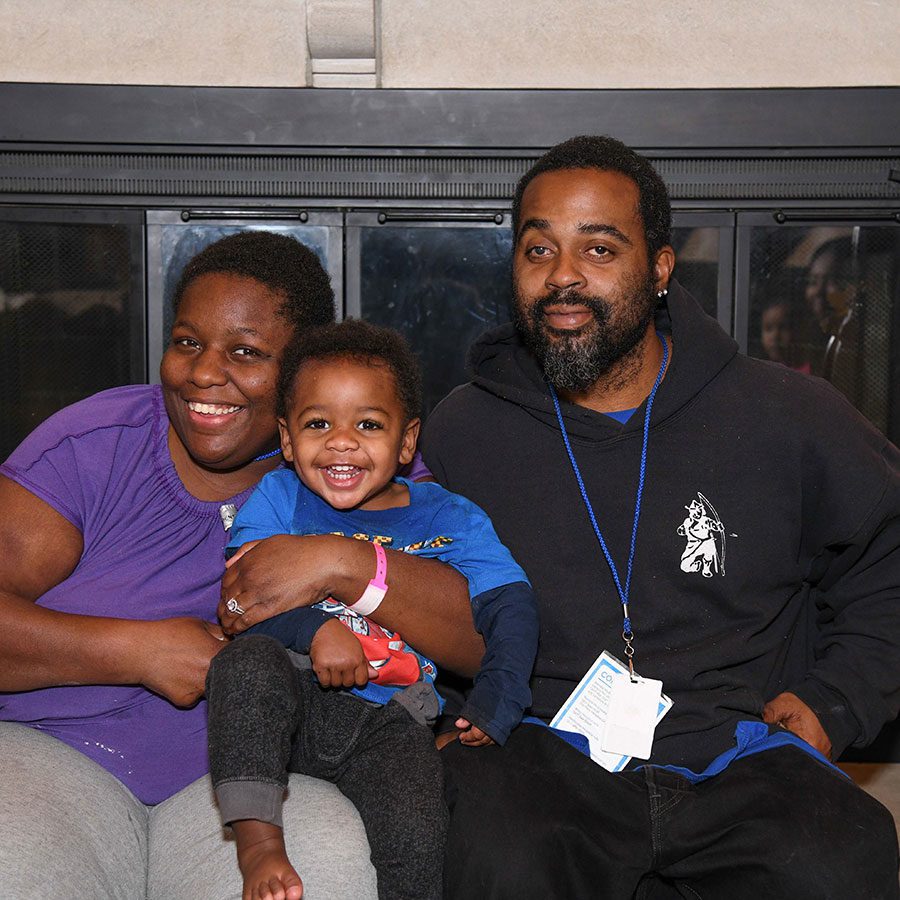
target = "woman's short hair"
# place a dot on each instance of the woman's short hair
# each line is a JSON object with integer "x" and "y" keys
{"x": 281, "y": 263}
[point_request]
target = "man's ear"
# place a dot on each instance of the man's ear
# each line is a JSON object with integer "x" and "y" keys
{"x": 287, "y": 451}
{"x": 408, "y": 443}
{"x": 662, "y": 267}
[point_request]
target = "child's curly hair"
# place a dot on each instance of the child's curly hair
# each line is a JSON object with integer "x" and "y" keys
{"x": 361, "y": 342}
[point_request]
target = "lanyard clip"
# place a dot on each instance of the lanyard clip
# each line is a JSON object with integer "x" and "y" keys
{"x": 628, "y": 637}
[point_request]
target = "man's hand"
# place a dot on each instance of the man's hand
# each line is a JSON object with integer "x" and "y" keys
{"x": 790, "y": 712}
{"x": 338, "y": 658}
{"x": 175, "y": 657}
{"x": 273, "y": 575}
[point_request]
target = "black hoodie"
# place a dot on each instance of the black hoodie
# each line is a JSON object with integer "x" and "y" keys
{"x": 768, "y": 552}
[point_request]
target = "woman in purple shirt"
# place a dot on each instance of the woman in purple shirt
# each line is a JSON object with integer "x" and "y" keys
{"x": 113, "y": 529}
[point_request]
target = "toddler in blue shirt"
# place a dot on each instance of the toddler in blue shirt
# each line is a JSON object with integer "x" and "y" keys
{"x": 349, "y": 396}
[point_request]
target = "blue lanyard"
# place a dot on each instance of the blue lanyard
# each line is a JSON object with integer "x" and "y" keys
{"x": 627, "y": 633}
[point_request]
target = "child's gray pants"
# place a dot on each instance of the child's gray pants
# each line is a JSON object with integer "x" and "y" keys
{"x": 267, "y": 718}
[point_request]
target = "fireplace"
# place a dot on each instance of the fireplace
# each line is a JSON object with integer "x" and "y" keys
{"x": 786, "y": 212}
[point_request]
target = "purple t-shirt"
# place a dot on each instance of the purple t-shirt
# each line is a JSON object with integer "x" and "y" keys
{"x": 416, "y": 470}
{"x": 151, "y": 551}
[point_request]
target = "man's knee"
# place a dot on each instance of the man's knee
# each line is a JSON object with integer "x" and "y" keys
{"x": 803, "y": 830}
{"x": 853, "y": 852}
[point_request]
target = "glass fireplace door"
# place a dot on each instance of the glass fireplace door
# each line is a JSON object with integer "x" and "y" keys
{"x": 71, "y": 310}
{"x": 439, "y": 277}
{"x": 820, "y": 292}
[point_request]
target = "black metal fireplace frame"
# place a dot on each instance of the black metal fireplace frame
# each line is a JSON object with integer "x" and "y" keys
{"x": 288, "y": 147}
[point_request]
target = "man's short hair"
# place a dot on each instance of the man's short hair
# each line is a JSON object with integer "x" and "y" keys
{"x": 608, "y": 155}
{"x": 281, "y": 263}
{"x": 361, "y": 342}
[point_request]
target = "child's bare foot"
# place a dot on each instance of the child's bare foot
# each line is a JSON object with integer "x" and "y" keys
{"x": 268, "y": 874}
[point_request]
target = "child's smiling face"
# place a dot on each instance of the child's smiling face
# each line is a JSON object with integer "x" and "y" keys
{"x": 346, "y": 433}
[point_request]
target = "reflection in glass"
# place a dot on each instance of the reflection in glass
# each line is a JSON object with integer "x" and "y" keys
{"x": 441, "y": 287}
{"x": 822, "y": 301}
{"x": 697, "y": 264}
{"x": 65, "y": 330}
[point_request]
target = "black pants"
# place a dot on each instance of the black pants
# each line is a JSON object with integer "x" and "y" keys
{"x": 267, "y": 718}
{"x": 536, "y": 819}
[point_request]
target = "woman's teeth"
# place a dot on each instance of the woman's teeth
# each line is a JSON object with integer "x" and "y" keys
{"x": 209, "y": 409}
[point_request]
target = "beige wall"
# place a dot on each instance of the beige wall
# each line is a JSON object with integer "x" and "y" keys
{"x": 201, "y": 42}
{"x": 640, "y": 43}
{"x": 458, "y": 44}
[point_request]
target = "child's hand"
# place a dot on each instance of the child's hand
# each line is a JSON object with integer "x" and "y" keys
{"x": 471, "y": 735}
{"x": 337, "y": 657}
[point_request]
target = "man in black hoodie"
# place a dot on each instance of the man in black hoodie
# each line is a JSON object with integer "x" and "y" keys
{"x": 731, "y": 523}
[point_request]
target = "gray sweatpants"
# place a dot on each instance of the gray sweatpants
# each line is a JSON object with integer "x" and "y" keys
{"x": 266, "y": 718}
{"x": 69, "y": 829}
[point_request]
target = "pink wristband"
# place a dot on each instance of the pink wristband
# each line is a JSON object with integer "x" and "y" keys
{"x": 376, "y": 589}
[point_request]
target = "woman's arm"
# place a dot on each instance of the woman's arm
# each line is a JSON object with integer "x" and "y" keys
{"x": 44, "y": 648}
{"x": 427, "y": 602}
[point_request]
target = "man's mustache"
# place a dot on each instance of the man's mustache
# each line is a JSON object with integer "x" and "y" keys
{"x": 597, "y": 305}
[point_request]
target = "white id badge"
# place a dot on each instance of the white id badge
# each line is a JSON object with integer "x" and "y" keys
{"x": 586, "y": 709}
{"x": 632, "y": 716}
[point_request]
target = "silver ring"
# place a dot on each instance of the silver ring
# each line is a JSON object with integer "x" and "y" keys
{"x": 234, "y": 607}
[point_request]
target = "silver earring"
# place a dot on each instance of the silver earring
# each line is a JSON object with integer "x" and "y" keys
{"x": 662, "y": 293}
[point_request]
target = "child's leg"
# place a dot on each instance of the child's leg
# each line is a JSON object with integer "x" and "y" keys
{"x": 253, "y": 714}
{"x": 395, "y": 780}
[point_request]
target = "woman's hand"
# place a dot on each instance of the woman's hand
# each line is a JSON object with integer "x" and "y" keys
{"x": 338, "y": 658}
{"x": 427, "y": 601}
{"x": 41, "y": 647}
{"x": 174, "y": 658}
{"x": 279, "y": 573}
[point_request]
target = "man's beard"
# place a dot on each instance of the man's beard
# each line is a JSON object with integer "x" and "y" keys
{"x": 575, "y": 360}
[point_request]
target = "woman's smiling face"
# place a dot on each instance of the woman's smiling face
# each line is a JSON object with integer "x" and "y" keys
{"x": 220, "y": 371}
